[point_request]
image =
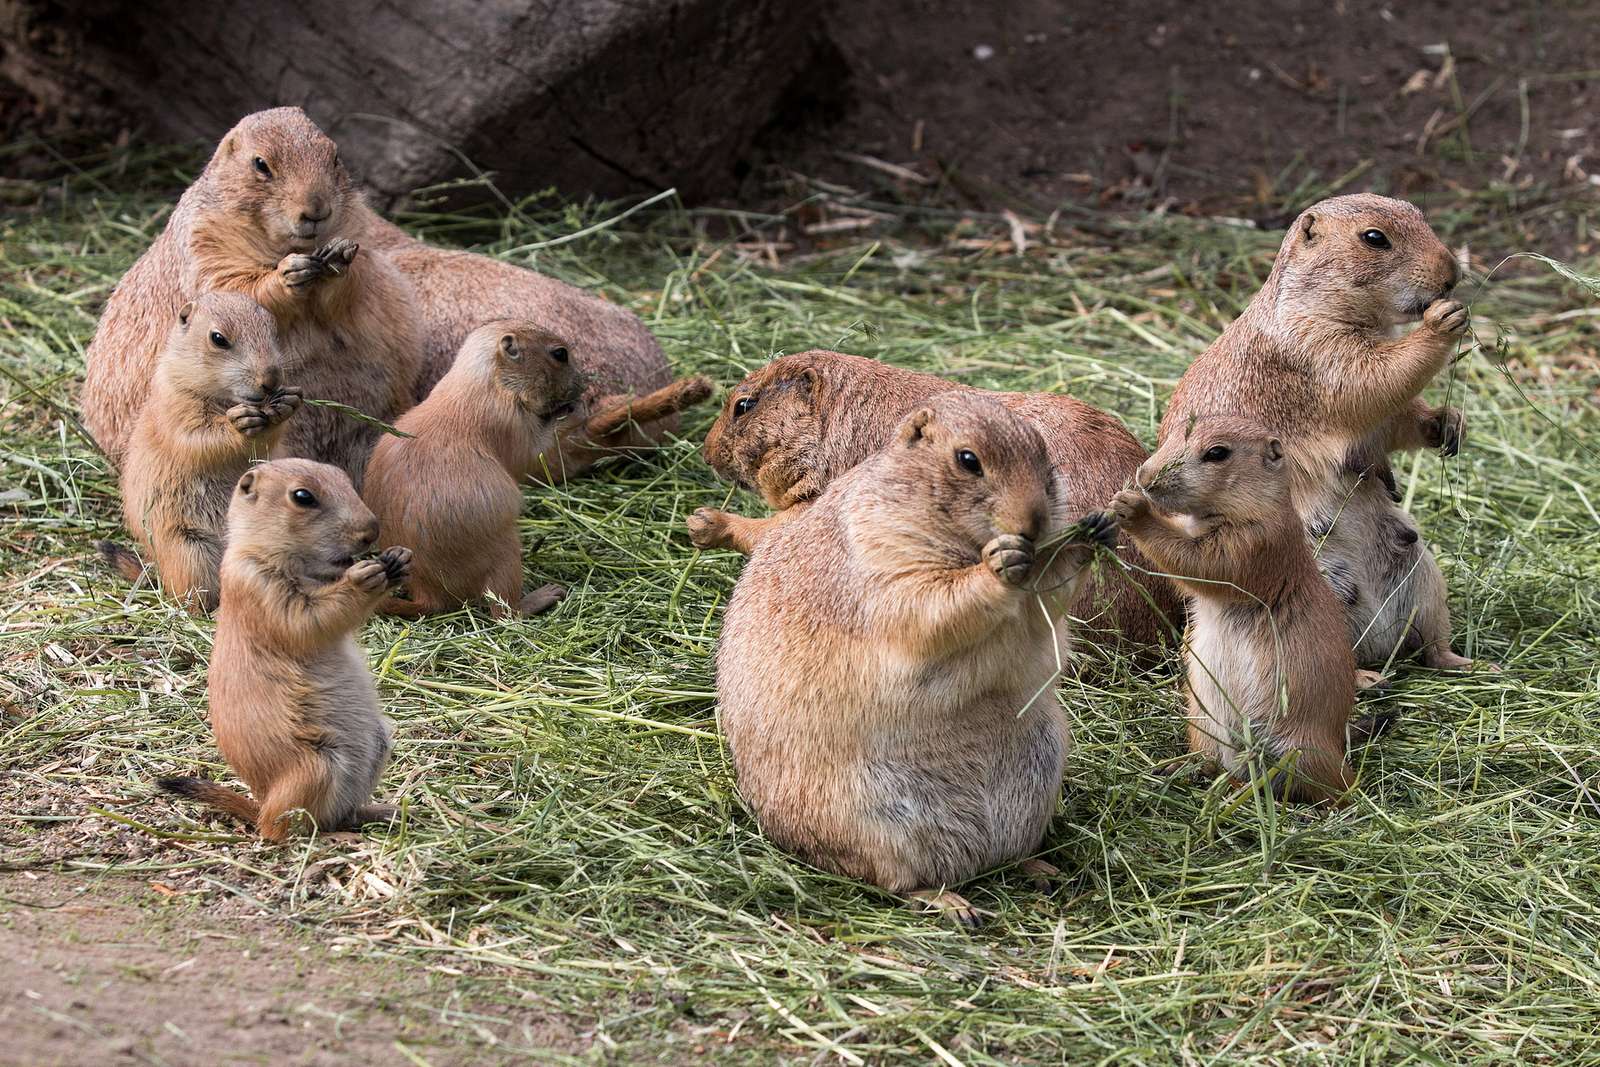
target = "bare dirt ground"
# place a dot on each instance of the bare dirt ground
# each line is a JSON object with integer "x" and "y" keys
{"x": 1212, "y": 109}
{"x": 110, "y": 971}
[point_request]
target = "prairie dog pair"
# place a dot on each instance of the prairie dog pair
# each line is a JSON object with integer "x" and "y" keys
{"x": 293, "y": 702}
{"x": 800, "y": 422}
{"x": 1311, "y": 360}
{"x": 1271, "y": 677}
{"x": 452, "y": 489}
{"x": 218, "y": 403}
{"x": 886, "y": 670}
{"x": 275, "y": 217}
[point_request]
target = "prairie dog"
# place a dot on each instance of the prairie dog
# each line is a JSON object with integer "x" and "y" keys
{"x": 886, "y": 672}
{"x": 1271, "y": 678}
{"x": 218, "y": 403}
{"x": 293, "y": 702}
{"x": 793, "y": 426}
{"x": 273, "y": 216}
{"x": 1311, "y": 359}
{"x": 457, "y": 291}
{"x": 453, "y": 490}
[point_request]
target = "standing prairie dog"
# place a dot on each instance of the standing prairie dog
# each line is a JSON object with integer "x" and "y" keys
{"x": 886, "y": 671}
{"x": 793, "y": 426}
{"x": 453, "y": 489}
{"x": 293, "y": 703}
{"x": 1271, "y": 678}
{"x": 273, "y": 216}
{"x": 218, "y": 403}
{"x": 1311, "y": 358}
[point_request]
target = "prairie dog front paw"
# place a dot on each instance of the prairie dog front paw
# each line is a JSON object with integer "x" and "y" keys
{"x": 1447, "y": 318}
{"x": 708, "y": 528}
{"x": 250, "y": 420}
{"x": 1129, "y": 505}
{"x": 396, "y": 562}
{"x": 1010, "y": 556}
{"x": 369, "y": 575}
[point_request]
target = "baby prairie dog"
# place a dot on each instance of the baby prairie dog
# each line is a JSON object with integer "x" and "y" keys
{"x": 1270, "y": 672}
{"x": 293, "y": 703}
{"x": 792, "y": 427}
{"x": 274, "y": 216}
{"x": 453, "y": 490}
{"x": 218, "y": 404}
{"x": 886, "y": 672}
{"x": 1312, "y": 359}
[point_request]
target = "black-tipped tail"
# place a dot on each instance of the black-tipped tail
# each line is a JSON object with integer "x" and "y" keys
{"x": 122, "y": 559}
{"x": 1369, "y": 727}
{"x": 210, "y": 793}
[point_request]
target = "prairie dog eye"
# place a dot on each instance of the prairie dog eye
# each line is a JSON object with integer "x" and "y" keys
{"x": 303, "y": 498}
{"x": 559, "y": 354}
{"x": 968, "y": 461}
{"x": 1375, "y": 239}
{"x": 1216, "y": 454}
{"x": 219, "y": 341}
{"x": 261, "y": 167}
{"x": 743, "y": 405}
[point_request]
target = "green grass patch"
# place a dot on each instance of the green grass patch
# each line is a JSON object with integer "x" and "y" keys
{"x": 571, "y": 831}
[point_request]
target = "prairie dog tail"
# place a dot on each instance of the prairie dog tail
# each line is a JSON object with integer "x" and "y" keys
{"x": 124, "y": 560}
{"x": 668, "y": 400}
{"x": 217, "y": 796}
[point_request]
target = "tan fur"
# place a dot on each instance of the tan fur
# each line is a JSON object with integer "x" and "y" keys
{"x": 886, "y": 670}
{"x": 457, "y": 291}
{"x": 1312, "y": 359}
{"x": 347, "y": 319}
{"x": 453, "y": 491}
{"x": 814, "y": 415}
{"x": 1271, "y": 678}
{"x": 214, "y": 408}
{"x": 293, "y": 702}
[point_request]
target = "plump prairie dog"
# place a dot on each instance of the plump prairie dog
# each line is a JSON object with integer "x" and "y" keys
{"x": 886, "y": 674}
{"x": 792, "y": 427}
{"x": 623, "y": 362}
{"x": 1270, "y": 671}
{"x": 453, "y": 490}
{"x": 293, "y": 703}
{"x": 1312, "y": 359}
{"x": 218, "y": 403}
{"x": 273, "y": 216}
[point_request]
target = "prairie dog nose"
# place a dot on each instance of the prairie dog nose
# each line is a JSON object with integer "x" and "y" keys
{"x": 268, "y": 380}
{"x": 369, "y": 533}
{"x": 315, "y": 211}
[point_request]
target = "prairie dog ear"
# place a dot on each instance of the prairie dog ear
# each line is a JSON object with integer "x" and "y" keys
{"x": 509, "y": 347}
{"x": 1272, "y": 454}
{"x": 247, "y": 484}
{"x": 915, "y": 428}
{"x": 1308, "y": 227}
{"x": 229, "y": 145}
{"x": 185, "y": 313}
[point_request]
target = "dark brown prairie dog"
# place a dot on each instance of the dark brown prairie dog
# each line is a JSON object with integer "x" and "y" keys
{"x": 453, "y": 490}
{"x": 273, "y": 216}
{"x": 790, "y": 428}
{"x": 293, "y": 703}
{"x": 1312, "y": 359}
{"x": 218, "y": 403}
{"x": 886, "y": 672}
{"x": 457, "y": 291}
{"x": 1270, "y": 672}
